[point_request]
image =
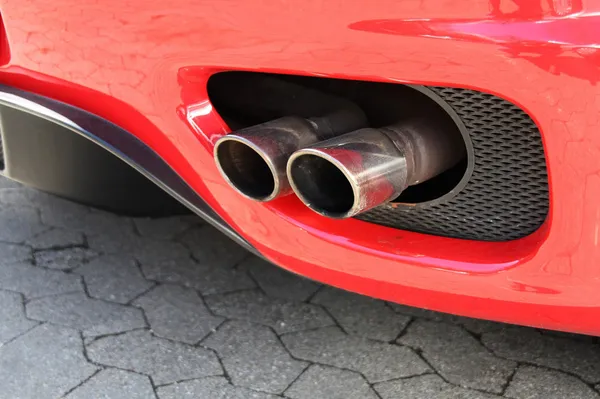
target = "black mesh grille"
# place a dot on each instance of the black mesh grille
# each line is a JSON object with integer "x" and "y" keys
{"x": 507, "y": 195}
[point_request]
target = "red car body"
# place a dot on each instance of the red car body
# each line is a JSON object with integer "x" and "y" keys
{"x": 143, "y": 65}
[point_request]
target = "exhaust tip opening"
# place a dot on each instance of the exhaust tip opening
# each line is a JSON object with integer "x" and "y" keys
{"x": 245, "y": 169}
{"x": 321, "y": 185}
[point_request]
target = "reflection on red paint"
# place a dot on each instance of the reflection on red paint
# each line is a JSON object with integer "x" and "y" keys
{"x": 4, "y": 47}
{"x": 558, "y": 45}
{"x": 532, "y": 9}
{"x": 530, "y": 288}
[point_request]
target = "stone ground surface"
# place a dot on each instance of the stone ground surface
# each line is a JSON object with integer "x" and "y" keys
{"x": 98, "y": 306}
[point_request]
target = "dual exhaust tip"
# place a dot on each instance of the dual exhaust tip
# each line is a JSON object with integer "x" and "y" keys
{"x": 336, "y": 166}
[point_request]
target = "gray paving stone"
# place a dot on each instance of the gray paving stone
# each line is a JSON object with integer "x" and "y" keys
{"x": 457, "y": 356}
{"x": 527, "y": 345}
{"x": 327, "y": 382}
{"x": 114, "y": 384}
{"x": 277, "y": 282}
{"x": 283, "y": 316}
{"x": 22, "y": 195}
{"x": 212, "y": 248}
{"x": 115, "y": 278}
{"x": 46, "y": 362}
{"x": 361, "y": 315}
{"x": 58, "y": 212}
{"x": 254, "y": 357}
{"x": 9, "y": 194}
{"x": 19, "y": 223}
{"x": 206, "y": 279}
{"x": 63, "y": 259}
{"x": 421, "y": 313}
{"x": 178, "y": 313}
{"x": 427, "y": 387}
{"x": 7, "y": 183}
{"x": 14, "y": 253}
{"x": 143, "y": 249}
{"x": 165, "y": 228}
{"x": 34, "y": 282}
{"x": 91, "y": 316}
{"x": 118, "y": 241}
{"x": 535, "y": 383}
{"x": 377, "y": 361}
{"x": 570, "y": 336}
{"x": 476, "y": 326}
{"x": 12, "y": 317}
{"x": 164, "y": 361}
{"x": 56, "y": 238}
{"x": 209, "y": 387}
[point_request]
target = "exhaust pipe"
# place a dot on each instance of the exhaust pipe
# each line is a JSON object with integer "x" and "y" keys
{"x": 346, "y": 175}
{"x": 253, "y": 160}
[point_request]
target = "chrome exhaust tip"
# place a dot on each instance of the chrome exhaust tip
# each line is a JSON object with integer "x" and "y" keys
{"x": 247, "y": 168}
{"x": 344, "y": 176}
{"x": 253, "y": 160}
{"x": 350, "y": 174}
{"x": 331, "y": 192}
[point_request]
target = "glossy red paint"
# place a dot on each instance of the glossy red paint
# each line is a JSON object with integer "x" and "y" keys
{"x": 144, "y": 65}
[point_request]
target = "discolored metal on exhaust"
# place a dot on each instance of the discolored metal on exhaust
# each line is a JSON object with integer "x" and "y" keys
{"x": 253, "y": 160}
{"x": 346, "y": 175}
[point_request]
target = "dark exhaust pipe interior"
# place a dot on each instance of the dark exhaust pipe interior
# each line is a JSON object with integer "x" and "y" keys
{"x": 245, "y": 168}
{"x": 329, "y": 187}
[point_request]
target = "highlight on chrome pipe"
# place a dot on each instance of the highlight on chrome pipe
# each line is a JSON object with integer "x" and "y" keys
{"x": 352, "y": 173}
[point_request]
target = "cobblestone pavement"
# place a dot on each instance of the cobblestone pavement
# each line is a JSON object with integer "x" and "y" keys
{"x": 98, "y": 306}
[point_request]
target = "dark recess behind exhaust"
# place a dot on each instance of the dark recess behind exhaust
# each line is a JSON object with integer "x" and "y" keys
{"x": 500, "y": 193}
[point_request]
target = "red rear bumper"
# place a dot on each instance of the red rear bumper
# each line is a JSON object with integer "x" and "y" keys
{"x": 144, "y": 65}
